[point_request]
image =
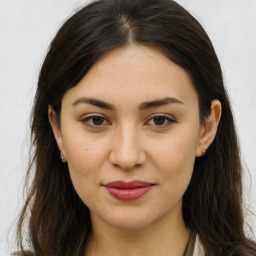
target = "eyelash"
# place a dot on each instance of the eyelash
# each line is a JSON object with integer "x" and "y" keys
{"x": 89, "y": 120}
{"x": 167, "y": 120}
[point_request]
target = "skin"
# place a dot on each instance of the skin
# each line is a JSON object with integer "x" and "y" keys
{"x": 129, "y": 143}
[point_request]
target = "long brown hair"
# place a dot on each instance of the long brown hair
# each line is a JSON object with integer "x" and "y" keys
{"x": 56, "y": 220}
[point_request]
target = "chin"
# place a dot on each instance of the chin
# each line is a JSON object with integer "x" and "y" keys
{"x": 133, "y": 219}
{"x": 131, "y": 224}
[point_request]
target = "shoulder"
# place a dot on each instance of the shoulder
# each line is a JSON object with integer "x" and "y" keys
{"x": 27, "y": 253}
{"x": 198, "y": 249}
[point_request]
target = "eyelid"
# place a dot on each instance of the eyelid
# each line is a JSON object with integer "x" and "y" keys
{"x": 88, "y": 117}
{"x": 86, "y": 120}
{"x": 168, "y": 117}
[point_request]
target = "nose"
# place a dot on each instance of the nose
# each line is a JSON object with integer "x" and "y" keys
{"x": 126, "y": 149}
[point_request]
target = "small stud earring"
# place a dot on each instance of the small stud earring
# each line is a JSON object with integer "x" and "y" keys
{"x": 203, "y": 152}
{"x": 62, "y": 158}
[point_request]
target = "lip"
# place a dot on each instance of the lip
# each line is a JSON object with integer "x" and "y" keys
{"x": 128, "y": 191}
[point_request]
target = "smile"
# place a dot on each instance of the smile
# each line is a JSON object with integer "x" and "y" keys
{"x": 128, "y": 191}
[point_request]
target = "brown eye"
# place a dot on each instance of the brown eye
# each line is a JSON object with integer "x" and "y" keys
{"x": 159, "y": 120}
{"x": 97, "y": 120}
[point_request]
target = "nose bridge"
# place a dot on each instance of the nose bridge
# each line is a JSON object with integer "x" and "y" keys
{"x": 127, "y": 151}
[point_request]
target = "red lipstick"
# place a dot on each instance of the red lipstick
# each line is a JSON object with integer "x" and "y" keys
{"x": 127, "y": 191}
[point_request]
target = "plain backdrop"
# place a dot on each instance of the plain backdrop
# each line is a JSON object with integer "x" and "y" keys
{"x": 26, "y": 29}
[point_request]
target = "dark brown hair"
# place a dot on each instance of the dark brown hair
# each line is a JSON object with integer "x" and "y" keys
{"x": 58, "y": 221}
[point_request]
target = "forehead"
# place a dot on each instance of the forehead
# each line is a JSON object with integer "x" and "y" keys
{"x": 133, "y": 73}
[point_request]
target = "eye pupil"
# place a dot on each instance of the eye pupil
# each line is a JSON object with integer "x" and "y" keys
{"x": 159, "y": 120}
{"x": 97, "y": 120}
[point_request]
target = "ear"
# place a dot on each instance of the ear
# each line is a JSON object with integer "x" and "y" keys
{"x": 209, "y": 129}
{"x": 52, "y": 116}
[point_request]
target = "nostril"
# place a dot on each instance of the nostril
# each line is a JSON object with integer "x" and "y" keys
{"x": 126, "y": 149}
{"x": 127, "y": 161}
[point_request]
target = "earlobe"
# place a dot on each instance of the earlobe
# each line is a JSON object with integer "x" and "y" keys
{"x": 209, "y": 129}
{"x": 56, "y": 129}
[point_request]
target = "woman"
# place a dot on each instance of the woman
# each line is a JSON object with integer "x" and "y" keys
{"x": 131, "y": 97}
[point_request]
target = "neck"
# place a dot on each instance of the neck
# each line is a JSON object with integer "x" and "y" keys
{"x": 168, "y": 236}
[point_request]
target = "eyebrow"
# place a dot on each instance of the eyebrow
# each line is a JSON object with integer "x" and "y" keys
{"x": 95, "y": 102}
{"x": 159, "y": 102}
{"x": 142, "y": 106}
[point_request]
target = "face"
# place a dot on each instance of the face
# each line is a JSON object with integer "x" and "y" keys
{"x": 130, "y": 132}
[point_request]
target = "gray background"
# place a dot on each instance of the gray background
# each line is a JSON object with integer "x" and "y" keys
{"x": 26, "y": 28}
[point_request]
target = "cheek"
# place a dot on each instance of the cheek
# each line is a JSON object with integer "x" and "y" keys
{"x": 176, "y": 151}
{"x": 85, "y": 163}
{"x": 85, "y": 152}
{"x": 86, "y": 157}
{"x": 175, "y": 160}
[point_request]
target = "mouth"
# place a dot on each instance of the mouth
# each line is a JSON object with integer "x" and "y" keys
{"x": 128, "y": 191}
